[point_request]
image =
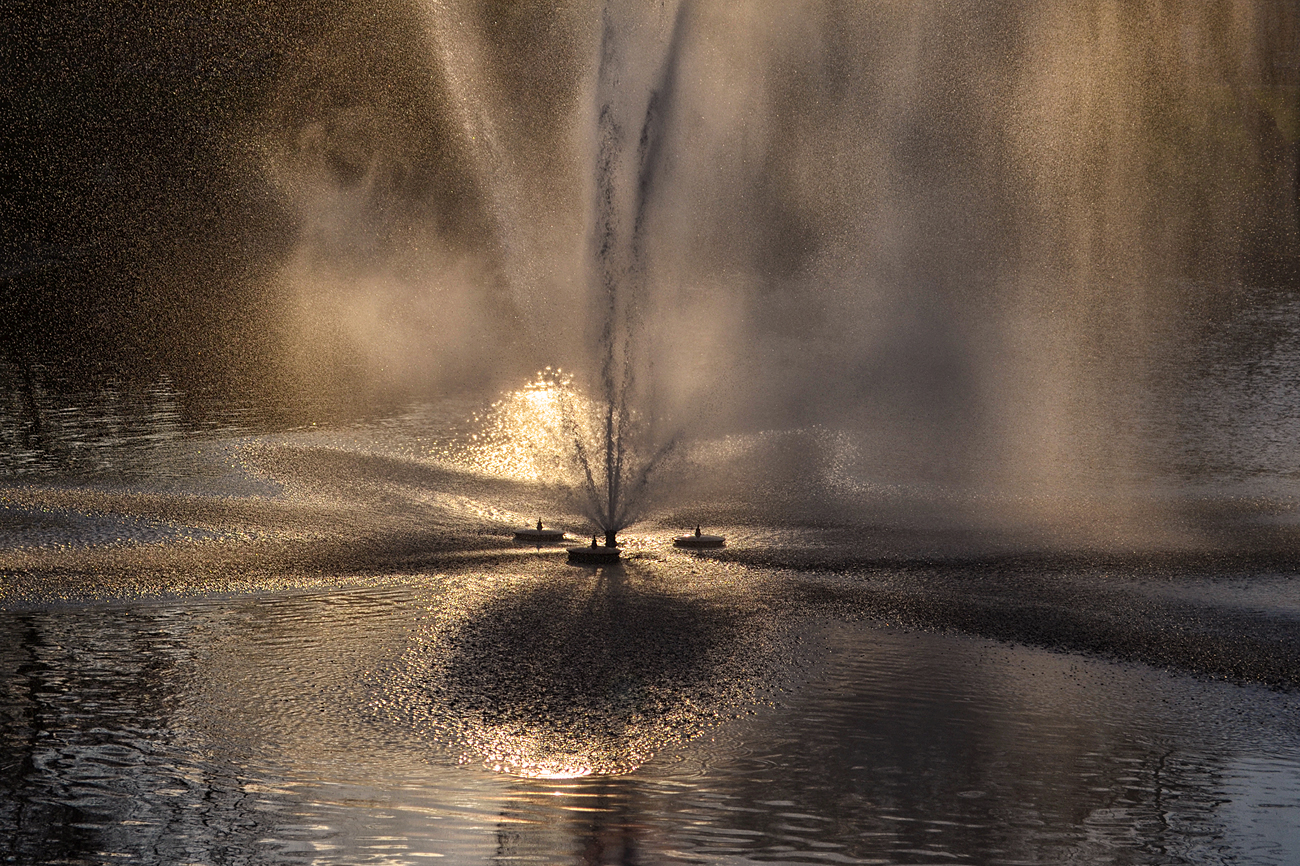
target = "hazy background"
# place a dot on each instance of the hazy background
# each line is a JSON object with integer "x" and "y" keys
{"x": 987, "y": 239}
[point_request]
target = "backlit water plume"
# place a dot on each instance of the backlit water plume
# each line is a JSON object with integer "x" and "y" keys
{"x": 616, "y": 477}
{"x": 983, "y": 243}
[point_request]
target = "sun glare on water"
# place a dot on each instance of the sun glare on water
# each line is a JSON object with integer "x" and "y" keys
{"x": 527, "y": 435}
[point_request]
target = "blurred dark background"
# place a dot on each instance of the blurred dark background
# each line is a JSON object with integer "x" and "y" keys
{"x": 136, "y": 240}
{"x": 141, "y": 232}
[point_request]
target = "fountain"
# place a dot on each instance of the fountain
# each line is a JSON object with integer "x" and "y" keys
{"x": 980, "y": 317}
{"x": 969, "y": 268}
{"x": 616, "y": 476}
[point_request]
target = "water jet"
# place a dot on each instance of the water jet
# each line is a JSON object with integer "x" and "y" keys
{"x": 617, "y": 468}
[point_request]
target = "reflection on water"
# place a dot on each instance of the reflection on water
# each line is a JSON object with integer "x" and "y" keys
{"x": 575, "y": 671}
{"x": 46, "y": 428}
{"x": 282, "y": 724}
{"x": 245, "y": 732}
{"x": 1239, "y": 416}
{"x": 1226, "y": 412}
{"x": 121, "y": 429}
{"x": 917, "y": 748}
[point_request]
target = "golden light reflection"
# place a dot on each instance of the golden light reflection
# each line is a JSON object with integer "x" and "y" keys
{"x": 515, "y": 761}
{"x": 527, "y": 435}
{"x": 602, "y": 743}
{"x": 547, "y": 674}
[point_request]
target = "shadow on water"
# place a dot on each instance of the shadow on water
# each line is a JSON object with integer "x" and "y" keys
{"x": 912, "y": 748}
{"x": 581, "y": 671}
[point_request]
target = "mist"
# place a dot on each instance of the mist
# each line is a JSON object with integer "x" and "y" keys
{"x": 982, "y": 243}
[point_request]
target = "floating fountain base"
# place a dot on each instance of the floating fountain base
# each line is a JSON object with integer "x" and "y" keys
{"x": 699, "y": 541}
{"x": 539, "y": 535}
{"x": 597, "y": 554}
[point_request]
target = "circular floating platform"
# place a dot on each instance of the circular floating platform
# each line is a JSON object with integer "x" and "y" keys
{"x": 539, "y": 535}
{"x": 699, "y": 541}
{"x": 597, "y": 554}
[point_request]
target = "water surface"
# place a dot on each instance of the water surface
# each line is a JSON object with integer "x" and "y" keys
{"x": 253, "y": 729}
{"x": 319, "y": 644}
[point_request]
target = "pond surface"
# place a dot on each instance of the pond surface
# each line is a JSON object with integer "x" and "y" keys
{"x": 229, "y": 642}
{"x": 253, "y": 730}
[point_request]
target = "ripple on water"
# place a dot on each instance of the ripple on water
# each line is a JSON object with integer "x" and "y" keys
{"x": 47, "y": 527}
{"x": 569, "y": 672}
{"x": 269, "y": 729}
{"x": 916, "y": 747}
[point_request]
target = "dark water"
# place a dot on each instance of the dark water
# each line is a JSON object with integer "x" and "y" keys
{"x": 223, "y": 641}
{"x": 249, "y": 731}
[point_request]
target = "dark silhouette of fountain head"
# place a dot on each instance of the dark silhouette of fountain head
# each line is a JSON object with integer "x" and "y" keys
{"x": 699, "y": 541}
{"x": 596, "y": 554}
{"x": 610, "y": 540}
{"x": 539, "y": 534}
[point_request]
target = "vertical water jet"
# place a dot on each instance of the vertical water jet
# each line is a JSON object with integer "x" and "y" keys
{"x": 617, "y": 474}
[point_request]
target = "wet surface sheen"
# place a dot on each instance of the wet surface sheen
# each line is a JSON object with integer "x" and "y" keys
{"x": 250, "y": 730}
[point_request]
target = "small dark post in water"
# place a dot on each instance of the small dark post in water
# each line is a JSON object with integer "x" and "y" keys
{"x": 610, "y": 541}
{"x": 697, "y": 530}
{"x": 593, "y": 541}
{"x": 539, "y": 524}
